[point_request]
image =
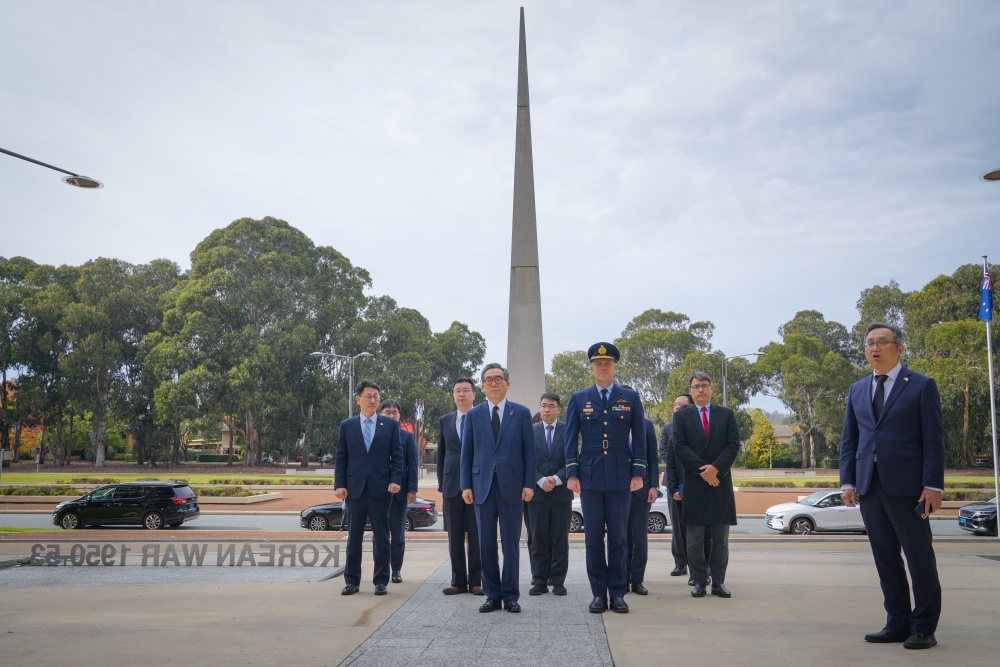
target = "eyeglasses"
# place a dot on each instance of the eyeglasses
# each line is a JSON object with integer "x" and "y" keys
{"x": 369, "y": 397}
{"x": 701, "y": 386}
{"x": 494, "y": 380}
{"x": 869, "y": 344}
{"x": 463, "y": 391}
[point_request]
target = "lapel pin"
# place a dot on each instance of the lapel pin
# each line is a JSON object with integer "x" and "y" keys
{"x": 906, "y": 379}
{"x": 511, "y": 413}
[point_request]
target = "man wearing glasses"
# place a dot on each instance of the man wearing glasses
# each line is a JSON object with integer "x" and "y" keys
{"x": 369, "y": 470}
{"x": 706, "y": 442}
{"x": 498, "y": 468}
{"x": 460, "y": 519}
{"x": 605, "y": 462}
{"x": 892, "y": 460}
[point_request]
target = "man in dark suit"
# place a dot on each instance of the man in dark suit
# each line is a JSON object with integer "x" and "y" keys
{"x": 460, "y": 519}
{"x": 892, "y": 460}
{"x": 550, "y": 507}
{"x": 601, "y": 422}
{"x": 706, "y": 441}
{"x": 638, "y": 516}
{"x": 407, "y": 493}
{"x": 673, "y": 479}
{"x": 498, "y": 463}
{"x": 369, "y": 469}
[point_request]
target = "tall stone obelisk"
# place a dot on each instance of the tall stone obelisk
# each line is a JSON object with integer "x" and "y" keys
{"x": 525, "y": 359}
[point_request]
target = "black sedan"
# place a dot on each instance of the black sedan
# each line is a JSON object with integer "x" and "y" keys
{"x": 419, "y": 514}
{"x": 979, "y": 518}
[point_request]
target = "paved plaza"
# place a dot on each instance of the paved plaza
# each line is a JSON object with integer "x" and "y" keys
{"x": 795, "y": 602}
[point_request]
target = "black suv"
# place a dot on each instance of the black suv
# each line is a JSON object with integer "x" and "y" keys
{"x": 152, "y": 505}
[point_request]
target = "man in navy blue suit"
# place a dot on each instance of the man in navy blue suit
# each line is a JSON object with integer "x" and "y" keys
{"x": 602, "y": 422}
{"x": 551, "y": 506}
{"x": 892, "y": 461}
{"x": 459, "y": 518}
{"x": 407, "y": 493}
{"x": 369, "y": 470}
{"x": 638, "y": 516}
{"x": 498, "y": 464}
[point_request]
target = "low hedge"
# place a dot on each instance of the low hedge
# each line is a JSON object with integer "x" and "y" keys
{"x": 247, "y": 481}
{"x": 967, "y": 495}
{"x": 44, "y": 490}
{"x": 969, "y": 485}
{"x": 225, "y": 491}
{"x": 766, "y": 484}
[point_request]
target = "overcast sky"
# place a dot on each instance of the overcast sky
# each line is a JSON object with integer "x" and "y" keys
{"x": 733, "y": 161}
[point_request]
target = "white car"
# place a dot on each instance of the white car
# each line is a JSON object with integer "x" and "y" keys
{"x": 659, "y": 515}
{"x": 823, "y": 511}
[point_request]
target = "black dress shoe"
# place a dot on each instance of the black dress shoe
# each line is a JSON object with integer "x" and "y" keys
{"x": 513, "y": 607}
{"x": 678, "y": 571}
{"x": 558, "y": 590}
{"x": 618, "y": 606}
{"x": 598, "y": 606}
{"x": 538, "y": 589}
{"x": 690, "y": 581}
{"x": 380, "y": 589}
{"x": 639, "y": 589}
{"x": 721, "y": 591}
{"x": 397, "y": 578}
{"x": 698, "y": 591}
{"x": 349, "y": 589}
{"x": 920, "y": 640}
{"x": 887, "y": 636}
{"x": 490, "y": 605}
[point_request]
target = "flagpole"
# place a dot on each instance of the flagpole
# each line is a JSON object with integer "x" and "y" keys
{"x": 986, "y": 314}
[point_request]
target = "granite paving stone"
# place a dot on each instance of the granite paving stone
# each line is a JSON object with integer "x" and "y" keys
{"x": 551, "y": 630}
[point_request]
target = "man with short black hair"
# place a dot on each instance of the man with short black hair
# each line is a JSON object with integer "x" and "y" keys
{"x": 460, "y": 519}
{"x": 706, "y": 441}
{"x": 369, "y": 469}
{"x": 892, "y": 459}
{"x": 498, "y": 462}
{"x": 400, "y": 502}
{"x": 551, "y": 505}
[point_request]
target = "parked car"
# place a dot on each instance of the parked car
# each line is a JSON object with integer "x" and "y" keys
{"x": 659, "y": 515}
{"x": 151, "y": 505}
{"x": 983, "y": 462}
{"x": 980, "y": 518}
{"x": 420, "y": 513}
{"x": 823, "y": 511}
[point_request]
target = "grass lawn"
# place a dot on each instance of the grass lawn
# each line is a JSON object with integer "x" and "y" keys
{"x": 12, "y": 529}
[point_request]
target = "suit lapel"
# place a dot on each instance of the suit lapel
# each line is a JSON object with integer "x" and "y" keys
{"x": 898, "y": 387}
{"x": 505, "y": 420}
{"x": 866, "y": 397}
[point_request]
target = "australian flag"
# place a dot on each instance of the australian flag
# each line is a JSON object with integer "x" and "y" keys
{"x": 986, "y": 300}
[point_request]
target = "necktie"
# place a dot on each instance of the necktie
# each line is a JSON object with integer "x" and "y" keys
{"x": 496, "y": 421}
{"x": 548, "y": 436}
{"x": 604, "y": 396}
{"x": 460, "y": 418}
{"x": 368, "y": 434}
{"x": 879, "y": 399}
{"x": 704, "y": 418}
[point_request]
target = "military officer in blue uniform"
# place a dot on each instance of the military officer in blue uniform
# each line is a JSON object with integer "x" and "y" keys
{"x": 601, "y": 466}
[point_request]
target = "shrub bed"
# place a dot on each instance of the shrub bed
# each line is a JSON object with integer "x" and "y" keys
{"x": 766, "y": 484}
{"x": 44, "y": 490}
{"x": 967, "y": 495}
{"x": 225, "y": 491}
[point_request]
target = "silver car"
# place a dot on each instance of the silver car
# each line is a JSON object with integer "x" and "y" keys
{"x": 823, "y": 511}
{"x": 659, "y": 515}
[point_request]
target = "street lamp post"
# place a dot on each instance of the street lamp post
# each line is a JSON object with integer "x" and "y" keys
{"x": 76, "y": 180}
{"x": 725, "y": 371}
{"x": 350, "y": 365}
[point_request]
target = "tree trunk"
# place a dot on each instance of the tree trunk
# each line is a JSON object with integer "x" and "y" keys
{"x": 100, "y": 439}
{"x": 16, "y": 445}
{"x": 4, "y": 412}
{"x": 966, "y": 456}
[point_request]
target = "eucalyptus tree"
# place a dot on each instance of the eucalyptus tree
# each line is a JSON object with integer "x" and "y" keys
{"x": 809, "y": 371}
{"x": 239, "y": 330}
